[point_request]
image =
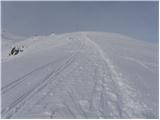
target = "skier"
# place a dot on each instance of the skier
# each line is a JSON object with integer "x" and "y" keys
{"x": 13, "y": 50}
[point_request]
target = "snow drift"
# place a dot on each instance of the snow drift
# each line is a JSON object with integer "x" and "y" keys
{"x": 80, "y": 75}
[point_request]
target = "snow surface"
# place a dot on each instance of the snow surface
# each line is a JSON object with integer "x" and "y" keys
{"x": 9, "y": 39}
{"x": 80, "y": 75}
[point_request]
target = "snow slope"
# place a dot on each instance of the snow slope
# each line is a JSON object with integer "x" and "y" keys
{"x": 9, "y": 38}
{"x": 81, "y": 75}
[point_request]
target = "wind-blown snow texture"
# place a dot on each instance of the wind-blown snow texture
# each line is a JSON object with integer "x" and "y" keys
{"x": 80, "y": 75}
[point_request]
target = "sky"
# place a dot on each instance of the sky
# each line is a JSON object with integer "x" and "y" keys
{"x": 135, "y": 19}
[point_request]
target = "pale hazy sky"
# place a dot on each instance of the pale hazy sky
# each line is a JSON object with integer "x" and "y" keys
{"x": 135, "y": 19}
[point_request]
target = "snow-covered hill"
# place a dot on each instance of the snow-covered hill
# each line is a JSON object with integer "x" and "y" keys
{"x": 9, "y": 38}
{"x": 80, "y": 75}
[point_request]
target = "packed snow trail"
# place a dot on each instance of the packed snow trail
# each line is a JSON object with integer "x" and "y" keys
{"x": 75, "y": 79}
{"x": 33, "y": 86}
{"x": 41, "y": 84}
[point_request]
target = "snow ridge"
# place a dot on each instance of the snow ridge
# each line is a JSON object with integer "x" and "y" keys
{"x": 128, "y": 106}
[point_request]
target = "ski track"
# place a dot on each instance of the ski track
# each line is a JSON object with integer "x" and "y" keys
{"x": 21, "y": 100}
{"x": 127, "y": 105}
{"x": 41, "y": 99}
{"x": 19, "y": 103}
{"x": 138, "y": 62}
{"x": 20, "y": 80}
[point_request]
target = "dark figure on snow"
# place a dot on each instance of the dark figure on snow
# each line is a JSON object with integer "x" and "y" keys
{"x": 14, "y": 51}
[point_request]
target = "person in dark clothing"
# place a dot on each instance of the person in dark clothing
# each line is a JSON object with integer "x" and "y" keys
{"x": 16, "y": 51}
{"x": 13, "y": 50}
